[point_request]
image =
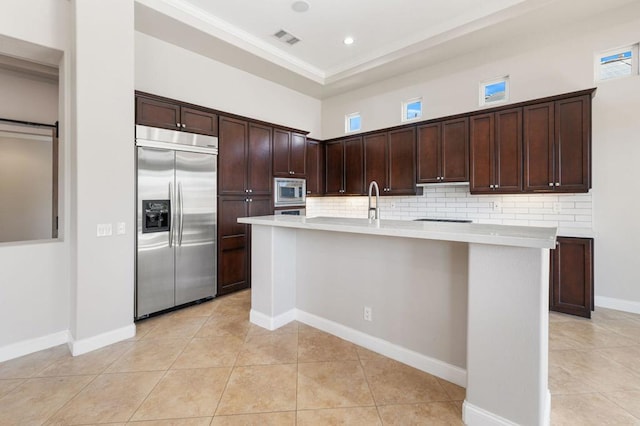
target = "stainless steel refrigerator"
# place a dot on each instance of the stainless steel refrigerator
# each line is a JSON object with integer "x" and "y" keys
{"x": 176, "y": 218}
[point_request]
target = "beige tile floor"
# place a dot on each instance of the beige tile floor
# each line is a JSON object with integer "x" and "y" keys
{"x": 207, "y": 365}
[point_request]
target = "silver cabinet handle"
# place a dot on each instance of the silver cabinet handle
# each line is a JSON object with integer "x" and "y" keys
{"x": 251, "y": 191}
{"x": 178, "y": 125}
{"x": 308, "y": 192}
{"x": 557, "y": 183}
{"x": 172, "y": 205}
{"x": 550, "y": 183}
{"x": 184, "y": 125}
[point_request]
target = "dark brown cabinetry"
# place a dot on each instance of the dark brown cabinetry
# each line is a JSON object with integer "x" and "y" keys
{"x": 557, "y": 146}
{"x": 245, "y": 158}
{"x": 571, "y": 278}
{"x": 344, "y": 173}
{"x": 443, "y": 151}
{"x": 390, "y": 161}
{"x": 176, "y": 116}
{"x": 315, "y": 168}
{"x": 496, "y": 152}
{"x": 289, "y": 153}
{"x": 234, "y": 240}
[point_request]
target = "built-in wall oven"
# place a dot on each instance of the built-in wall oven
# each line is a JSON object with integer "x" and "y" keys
{"x": 289, "y": 192}
{"x": 291, "y": 211}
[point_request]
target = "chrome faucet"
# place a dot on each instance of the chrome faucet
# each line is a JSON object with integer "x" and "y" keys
{"x": 376, "y": 209}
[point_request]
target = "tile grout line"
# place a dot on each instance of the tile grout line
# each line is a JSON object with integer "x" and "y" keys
{"x": 373, "y": 397}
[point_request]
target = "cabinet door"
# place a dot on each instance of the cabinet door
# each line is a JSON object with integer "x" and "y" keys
{"x": 334, "y": 171}
{"x": 233, "y": 247}
{"x": 281, "y": 142}
{"x": 571, "y": 277}
{"x": 573, "y": 156}
{"x": 199, "y": 121}
{"x": 298, "y": 154}
{"x": 455, "y": 150}
{"x": 428, "y": 153}
{"x": 156, "y": 113}
{"x": 314, "y": 168}
{"x": 538, "y": 142}
{"x": 401, "y": 162}
{"x": 259, "y": 177}
{"x": 354, "y": 167}
{"x": 482, "y": 153}
{"x": 375, "y": 160}
{"x": 232, "y": 156}
{"x": 508, "y": 151}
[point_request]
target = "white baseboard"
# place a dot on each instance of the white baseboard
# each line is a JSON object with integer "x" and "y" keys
{"x": 618, "y": 304}
{"x": 82, "y": 346}
{"x": 424, "y": 363}
{"x": 476, "y": 416}
{"x": 271, "y": 323}
{"x": 27, "y": 347}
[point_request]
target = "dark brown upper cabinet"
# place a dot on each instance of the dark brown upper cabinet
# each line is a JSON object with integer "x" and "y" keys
{"x": 289, "y": 153}
{"x": 175, "y": 116}
{"x": 443, "y": 151}
{"x": 344, "y": 173}
{"x": 557, "y": 145}
{"x": 571, "y": 280}
{"x": 496, "y": 152}
{"x": 315, "y": 168}
{"x": 245, "y": 158}
{"x": 390, "y": 161}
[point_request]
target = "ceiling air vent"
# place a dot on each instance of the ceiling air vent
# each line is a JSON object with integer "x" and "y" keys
{"x": 286, "y": 37}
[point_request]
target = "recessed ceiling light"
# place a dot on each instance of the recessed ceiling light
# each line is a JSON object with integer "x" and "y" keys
{"x": 348, "y": 40}
{"x": 300, "y": 6}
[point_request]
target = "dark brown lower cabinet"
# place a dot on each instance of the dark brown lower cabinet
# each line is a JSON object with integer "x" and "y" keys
{"x": 234, "y": 240}
{"x": 571, "y": 279}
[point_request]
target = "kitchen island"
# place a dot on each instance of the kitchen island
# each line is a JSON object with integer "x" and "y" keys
{"x": 465, "y": 302}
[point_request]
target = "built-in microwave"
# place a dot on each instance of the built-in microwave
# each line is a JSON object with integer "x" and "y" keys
{"x": 289, "y": 192}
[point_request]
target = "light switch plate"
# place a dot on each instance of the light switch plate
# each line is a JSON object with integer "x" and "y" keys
{"x": 121, "y": 229}
{"x": 104, "y": 230}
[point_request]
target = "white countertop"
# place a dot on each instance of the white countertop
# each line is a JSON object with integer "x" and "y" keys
{"x": 518, "y": 236}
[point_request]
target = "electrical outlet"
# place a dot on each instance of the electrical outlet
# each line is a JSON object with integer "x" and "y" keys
{"x": 496, "y": 206}
{"x": 121, "y": 230}
{"x": 557, "y": 207}
{"x": 393, "y": 205}
{"x": 368, "y": 313}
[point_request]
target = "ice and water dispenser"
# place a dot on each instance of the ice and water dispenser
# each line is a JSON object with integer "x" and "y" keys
{"x": 157, "y": 215}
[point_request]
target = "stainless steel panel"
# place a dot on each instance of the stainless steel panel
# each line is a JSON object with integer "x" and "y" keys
{"x": 155, "y": 258}
{"x": 154, "y": 134}
{"x": 195, "y": 244}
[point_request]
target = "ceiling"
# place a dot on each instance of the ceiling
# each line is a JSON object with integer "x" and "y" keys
{"x": 391, "y": 36}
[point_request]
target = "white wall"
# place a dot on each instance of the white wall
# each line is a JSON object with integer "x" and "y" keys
{"x": 34, "y": 283}
{"x": 103, "y": 170}
{"x": 544, "y": 65}
{"x": 167, "y": 70}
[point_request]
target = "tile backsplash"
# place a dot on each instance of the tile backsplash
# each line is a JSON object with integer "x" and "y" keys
{"x": 455, "y": 202}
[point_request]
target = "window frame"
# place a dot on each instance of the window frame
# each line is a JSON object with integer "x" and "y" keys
{"x": 347, "y": 122}
{"x": 486, "y": 83}
{"x": 611, "y": 52}
{"x": 405, "y": 109}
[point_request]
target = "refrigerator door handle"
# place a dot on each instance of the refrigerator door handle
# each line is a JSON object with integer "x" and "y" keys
{"x": 171, "y": 213}
{"x": 181, "y": 202}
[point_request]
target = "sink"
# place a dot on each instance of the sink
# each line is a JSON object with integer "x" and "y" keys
{"x": 427, "y": 219}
